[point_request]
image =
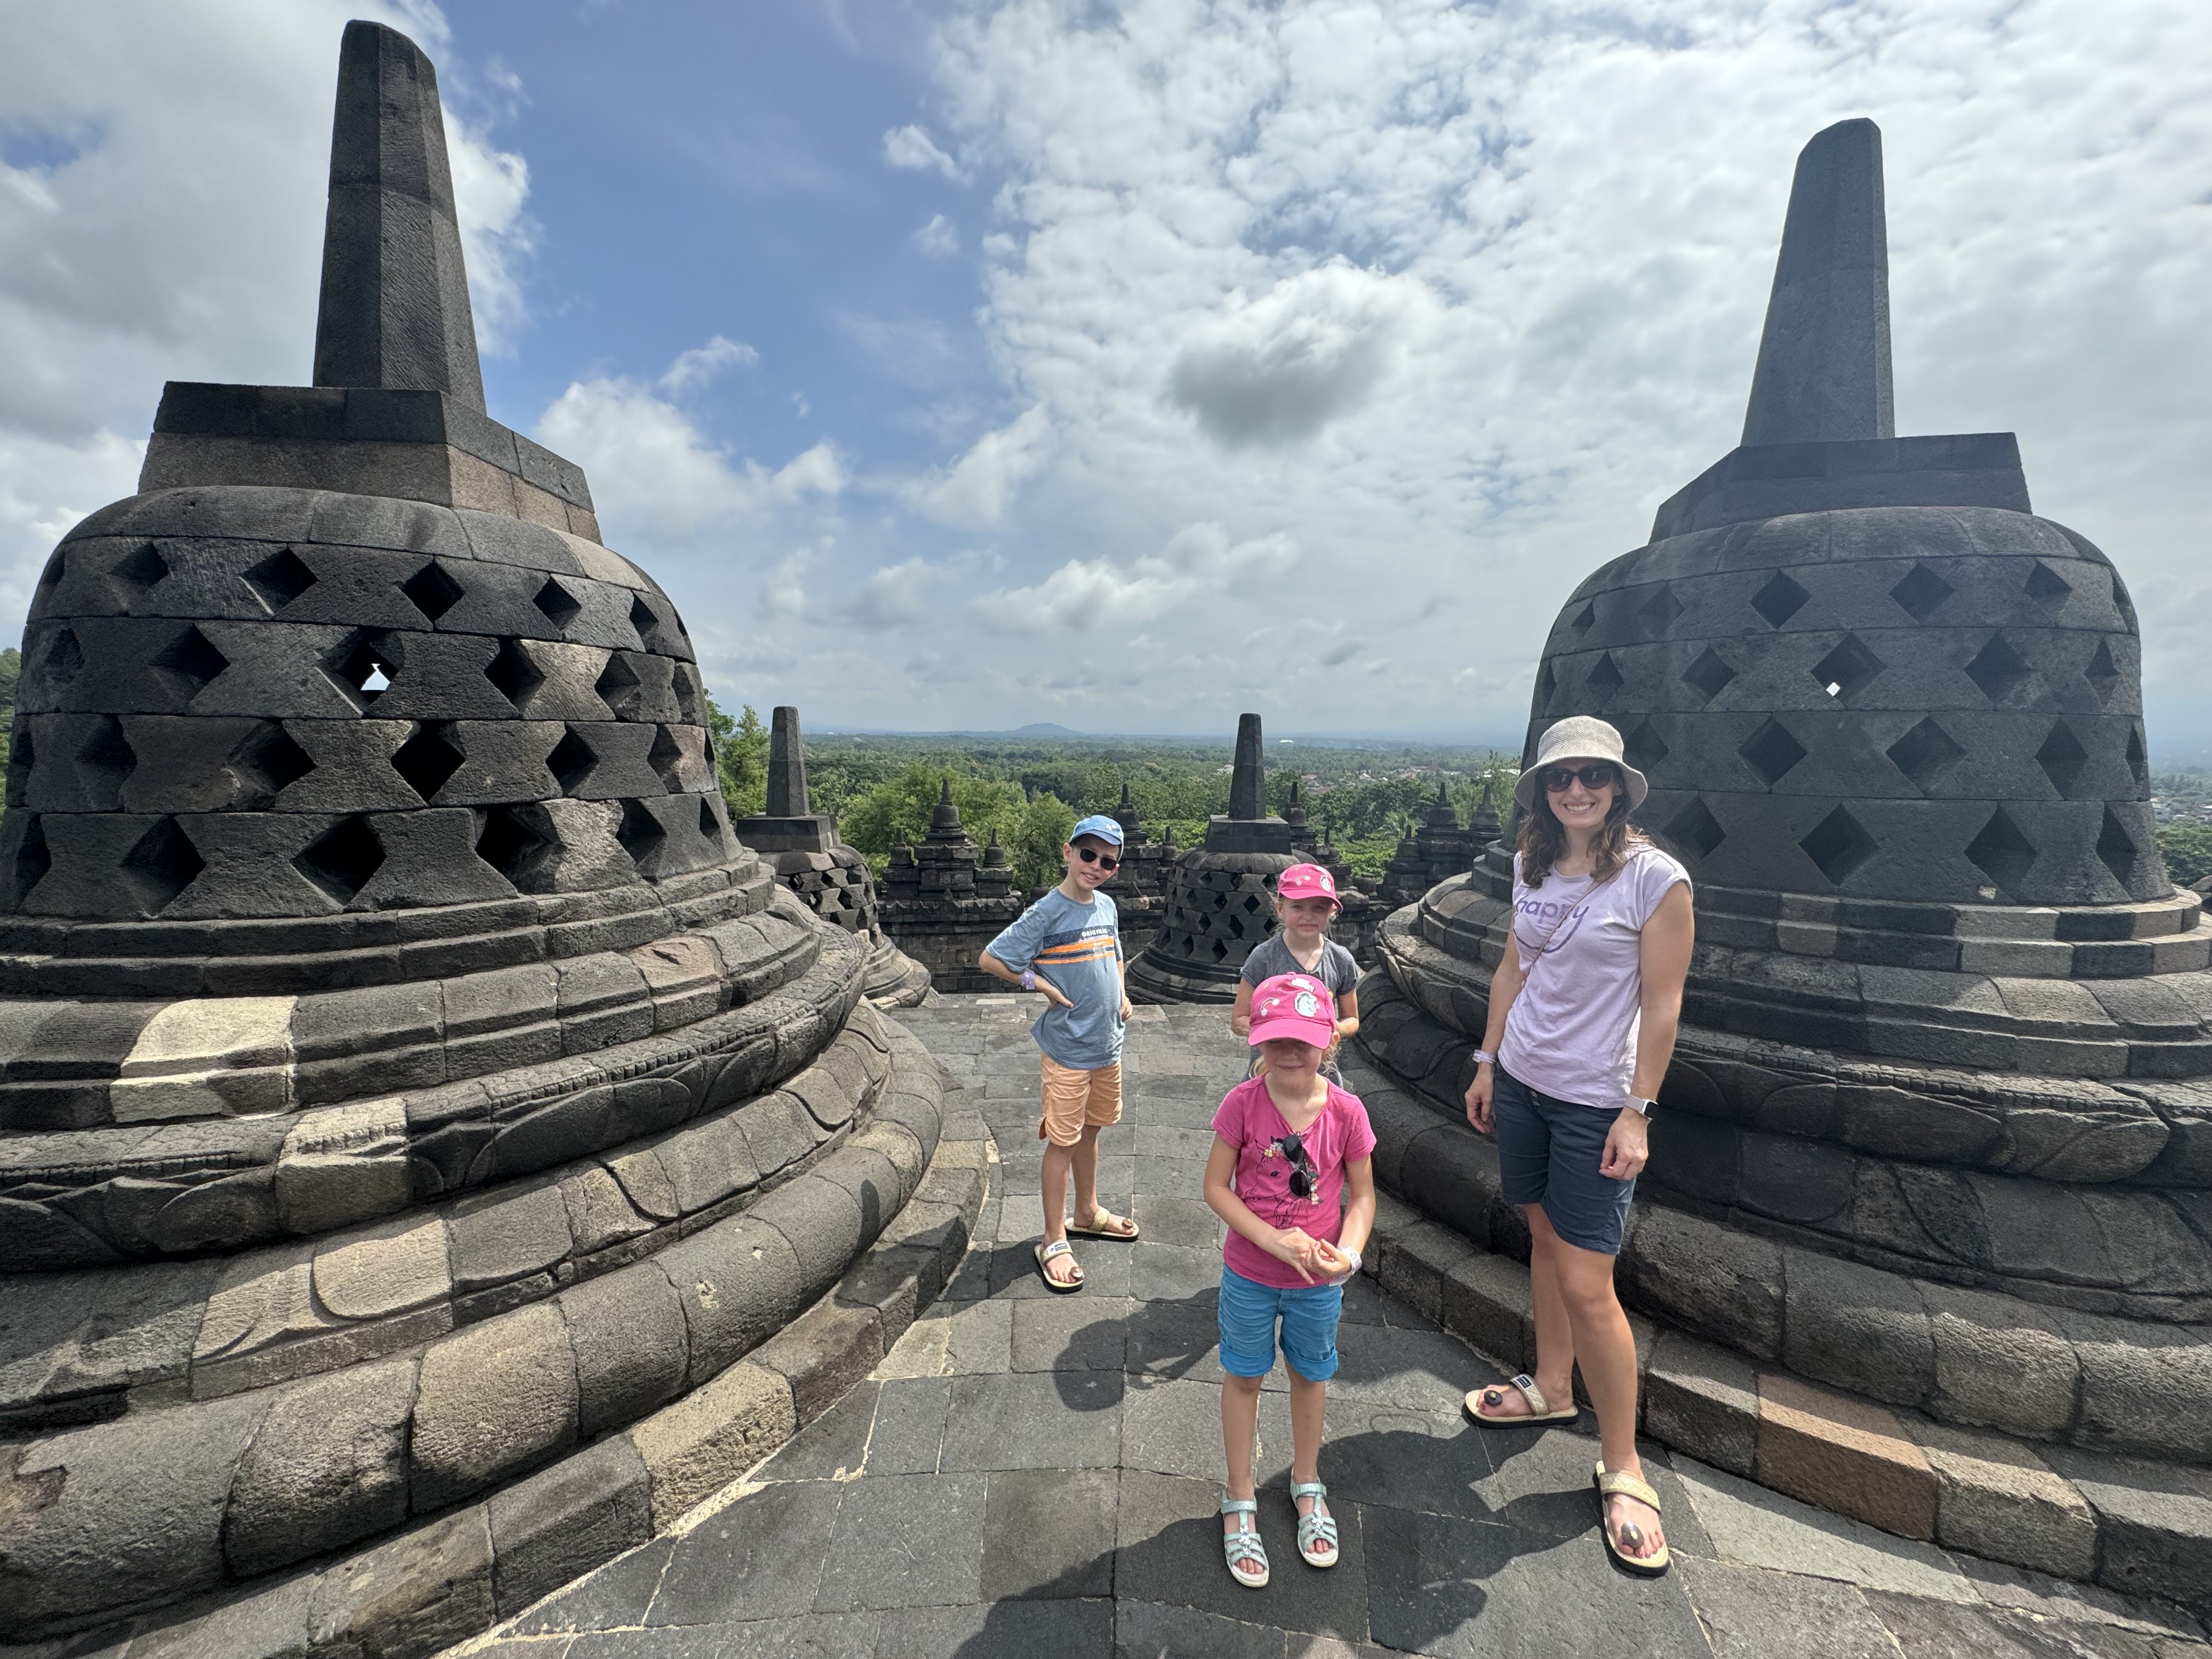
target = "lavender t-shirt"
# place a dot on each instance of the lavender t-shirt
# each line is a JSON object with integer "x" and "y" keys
{"x": 1571, "y": 1032}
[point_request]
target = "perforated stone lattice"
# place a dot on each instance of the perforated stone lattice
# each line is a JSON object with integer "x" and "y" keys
{"x": 1962, "y": 680}
{"x": 386, "y": 706}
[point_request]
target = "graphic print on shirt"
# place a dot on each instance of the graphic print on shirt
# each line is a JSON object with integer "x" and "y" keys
{"x": 1542, "y": 913}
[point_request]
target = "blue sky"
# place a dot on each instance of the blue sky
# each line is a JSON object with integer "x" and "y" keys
{"x": 985, "y": 361}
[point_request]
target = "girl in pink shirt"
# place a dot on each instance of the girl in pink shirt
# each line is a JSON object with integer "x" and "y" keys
{"x": 1284, "y": 1144}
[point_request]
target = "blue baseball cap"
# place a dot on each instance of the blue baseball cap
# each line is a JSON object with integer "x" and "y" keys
{"x": 1100, "y": 825}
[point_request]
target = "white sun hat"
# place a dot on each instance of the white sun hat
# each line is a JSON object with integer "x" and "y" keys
{"x": 1579, "y": 736}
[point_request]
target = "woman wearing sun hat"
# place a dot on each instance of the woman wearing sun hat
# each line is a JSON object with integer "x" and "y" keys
{"x": 1582, "y": 1017}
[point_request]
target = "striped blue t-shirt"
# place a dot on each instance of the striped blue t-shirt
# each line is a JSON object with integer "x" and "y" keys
{"x": 1078, "y": 948}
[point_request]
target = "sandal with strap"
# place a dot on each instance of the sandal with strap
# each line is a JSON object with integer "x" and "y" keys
{"x": 1316, "y": 1531}
{"x": 1099, "y": 1227}
{"x": 1619, "y": 1482}
{"x": 1243, "y": 1544}
{"x": 1045, "y": 1254}
{"x": 1540, "y": 1409}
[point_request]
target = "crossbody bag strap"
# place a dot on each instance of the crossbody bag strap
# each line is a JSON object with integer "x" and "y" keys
{"x": 1585, "y": 899}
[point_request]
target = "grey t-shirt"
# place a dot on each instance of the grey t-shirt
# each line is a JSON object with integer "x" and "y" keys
{"x": 1272, "y": 956}
{"x": 1078, "y": 948}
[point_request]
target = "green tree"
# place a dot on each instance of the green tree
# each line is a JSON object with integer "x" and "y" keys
{"x": 11, "y": 670}
{"x": 740, "y": 758}
{"x": 1032, "y": 831}
{"x": 2187, "y": 849}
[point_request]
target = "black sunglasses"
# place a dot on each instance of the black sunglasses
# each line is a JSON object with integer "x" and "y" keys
{"x": 1596, "y": 775}
{"x": 1302, "y": 1173}
{"x": 1093, "y": 855}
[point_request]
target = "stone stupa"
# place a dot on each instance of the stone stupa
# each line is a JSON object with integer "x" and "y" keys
{"x": 1220, "y": 898}
{"x": 419, "y": 1113}
{"x": 945, "y": 898}
{"x": 1938, "y": 1133}
{"x": 801, "y": 846}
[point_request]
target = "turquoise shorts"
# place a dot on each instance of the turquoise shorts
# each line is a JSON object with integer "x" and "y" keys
{"x": 1250, "y": 1313}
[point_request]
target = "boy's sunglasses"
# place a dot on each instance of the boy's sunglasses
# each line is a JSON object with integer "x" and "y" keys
{"x": 1302, "y": 1174}
{"x": 1596, "y": 775}
{"x": 1103, "y": 860}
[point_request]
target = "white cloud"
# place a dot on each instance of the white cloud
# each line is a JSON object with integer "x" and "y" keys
{"x": 701, "y": 364}
{"x": 1198, "y": 563}
{"x": 937, "y": 240}
{"x": 911, "y": 149}
{"x": 979, "y": 488}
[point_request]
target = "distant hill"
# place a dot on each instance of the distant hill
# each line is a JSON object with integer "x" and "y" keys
{"x": 1044, "y": 729}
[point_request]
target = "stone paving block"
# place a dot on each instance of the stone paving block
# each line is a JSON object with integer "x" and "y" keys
{"x": 1857, "y": 1329}
{"x": 1169, "y": 1549}
{"x": 1007, "y": 1630}
{"x": 711, "y": 1436}
{"x": 1750, "y": 1615}
{"x": 824, "y": 1352}
{"x": 867, "y": 1565}
{"x": 1752, "y": 1526}
{"x": 1017, "y": 1420}
{"x": 1076, "y": 1332}
{"x": 627, "y": 1331}
{"x": 1156, "y": 1630}
{"x": 1997, "y": 1498}
{"x": 566, "y": 1520}
{"x": 1843, "y": 1454}
{"x": 909, "y": 1432}
{"x": 425, "y": 1590}
{"x": 1049, "y": 1532}
{"x": 2154, "y": 1523}
{"x": 1486, "y": 1299}
{"x": 492, "y": 1400}
{"x": 327, "y": 1465}
{"x": 272, "y": 1624}
{"x": 1703, "y": 1399}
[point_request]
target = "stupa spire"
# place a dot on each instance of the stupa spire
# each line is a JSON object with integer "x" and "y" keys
{"x": 786, "y": 766}
{"x": 1823, "y": 373}
{"x": 395, "y": 299}
{"x": 1247, "y": 784}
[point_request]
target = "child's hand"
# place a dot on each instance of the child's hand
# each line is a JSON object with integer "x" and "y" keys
{"x": 1125, "y": 1010}
{"x": 1053, "y": 995}
{"x": 1337, "y": 1264}
{"x": 1300, "y": 1248}
{"x": 1240, "y": 1024}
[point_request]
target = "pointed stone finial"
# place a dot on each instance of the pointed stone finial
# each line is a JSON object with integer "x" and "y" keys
{"x": 786, "y": 766}
{"x": 1247, "y": 784}
{"x": 944, "y": 821}
{"x": 1823, "y": 373}
{"x": 395, "y": 300}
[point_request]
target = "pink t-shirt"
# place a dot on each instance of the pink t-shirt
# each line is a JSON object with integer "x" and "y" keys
{"x": 1571, "y": 1032}
{"x": 1249, "y": 1122}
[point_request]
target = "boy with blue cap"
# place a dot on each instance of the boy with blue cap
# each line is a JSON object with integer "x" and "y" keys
{"x": 1067, "y": 946}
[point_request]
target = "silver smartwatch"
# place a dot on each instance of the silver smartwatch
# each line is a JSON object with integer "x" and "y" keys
{"x": 1642, "y": 1106}
{"x": 1483, "y": 1057}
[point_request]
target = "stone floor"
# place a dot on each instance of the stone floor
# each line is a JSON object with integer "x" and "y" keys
{"x": 1029, "y": 1474}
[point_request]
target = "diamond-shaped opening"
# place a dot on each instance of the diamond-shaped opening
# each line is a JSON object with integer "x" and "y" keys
{"x": 1998, "y": 669}
{"x": 2047, "y": 587}
{"x": 2062, "y": 757}
{"x": 1838, "y": 845}
{"x": 266, "y": 763}
{"x": 571, "y": 761}
{"x": 1236, "y": 927}
{"x": 1585, "y": 619}
{"x": 1547, "y": 682}
{"x": 432, "y": 590}
{"x": 280, "y": 579}
{"x": 647, "y": 621}
{"x": 1845, "y": 671}
{"x": 1779, "y": 600}
{"x": 1772, "y": 752}
{"x": 56, "y": 568}
{"x": 513, "y": 673}
{"x": 617, "y": 686}
{"x": 685, "y": 684}
{"x": 22, "y": 755}
{"x": 1920, "y": 591}
{"x": 1604, "y": 678}
{"x": 640, "y": 835}
{"x": 1645, "y": 747}
{"x": 1220, "y": 949}
{"x": 1696, "y": 829}
{"x": 33, "y": 859}
{"x": 2102, "y": 673}
{"x": 514, "y": 843}
{"x": 2117, "y": 848}
{"x": 1658, "y": 612}
{"x": 1924, "y": 752}
{"x": 188, "y": 661}
{"x": 2138, "y": 762}
{"x": 341, "y": 858}
{"x": 709, "y": 825}
{"x": 141, "y": 568}
{"x": 428, "y": 759}
{"x": 107, "y": 754}
{"x": 364, "y": 667}
{"x": 160, "y": 865}
{"x": 1709, "y": 675}
{"x": 667, "y": 758}
{"x": 556, "y": 603}
{"x": 64, "y": 657}
{"x": 2123, "y": 604}
{"x": 2001, "y": 852}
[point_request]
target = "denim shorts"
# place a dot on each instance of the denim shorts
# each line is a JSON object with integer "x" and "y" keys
{"x": 1248, "y": 1312}
{"x": 1548, "y": 1153}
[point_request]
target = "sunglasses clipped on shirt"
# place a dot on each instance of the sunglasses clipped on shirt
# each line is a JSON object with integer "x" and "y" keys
{"x": 1302, "y": 1173}
{"x": 1103, "y": 860}
{"x": 1596, "y": 775}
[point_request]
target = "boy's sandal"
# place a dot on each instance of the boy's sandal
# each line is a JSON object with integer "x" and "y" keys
{"x": 1243, "y": 1544}
{"x": 1613, "y": 1482}
{"x": 1482, "y": 1406}
{"x": 1104, "y": 1223}
{"x": 1046, "y": 1255}
{"x": 1317, "y": 1532}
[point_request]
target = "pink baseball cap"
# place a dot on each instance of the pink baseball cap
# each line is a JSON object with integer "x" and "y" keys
{"x": 1305, "y": 881}
{"x": 1293, "y": 1006}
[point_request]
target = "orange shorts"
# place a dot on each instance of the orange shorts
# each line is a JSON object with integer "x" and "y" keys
{"x": 1075, "y": 1100}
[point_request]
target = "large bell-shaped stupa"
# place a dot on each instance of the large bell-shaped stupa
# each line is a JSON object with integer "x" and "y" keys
{"x": 1938, "y": 1130}
{"x": 418, "y": 1108}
